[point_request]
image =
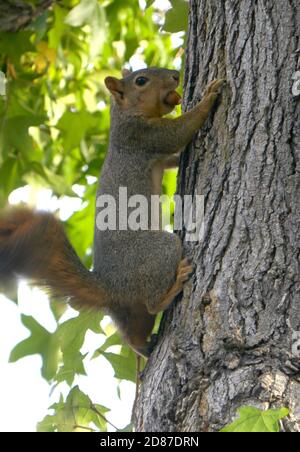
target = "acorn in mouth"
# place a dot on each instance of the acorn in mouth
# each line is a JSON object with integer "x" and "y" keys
{"x": 173, "y": 98}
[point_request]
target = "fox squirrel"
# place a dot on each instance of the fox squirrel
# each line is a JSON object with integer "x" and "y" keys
{"x": 136, "y": 273}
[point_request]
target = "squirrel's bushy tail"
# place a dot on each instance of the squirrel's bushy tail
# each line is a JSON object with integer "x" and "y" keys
{"x": 34, "y": 245}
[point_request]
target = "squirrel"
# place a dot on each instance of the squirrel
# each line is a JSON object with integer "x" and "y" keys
{"x": 136, "y": 273}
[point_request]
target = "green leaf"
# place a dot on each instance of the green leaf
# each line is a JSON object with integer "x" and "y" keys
{"x": 72, "y": 332}
{"x": 127, "y": 429}
{"x": 36, "y": 173}
{"x": 124, "y": 366}
{"x": 82, "y": 13}
{"x": 11, "y": 174}
{"x": 15, "y": 44}
{"x": 149, "y": 3}
{"x": 177, "y": 16}
{"x": 15, "y": 132}
{"x": 57, "y": 31}
{"x": 77, "y": 414}
{"x": 81, "y": 224}
{"x": 92, "y": 13}
{"x": 57, "y": 183}
{"x": 112, "y": 340}
{"x": 99, "y": 32}
{"x": 80, "y": 122}
{"x": 170, "y": 182}
{"x": 253, "y": 420}
{"x": 70, "y": 335}
{"x": 58, "y": 309}
{"x": 40, "y": 342}
{"x": 73, "y": 365}
{"x": 99, "y": 420}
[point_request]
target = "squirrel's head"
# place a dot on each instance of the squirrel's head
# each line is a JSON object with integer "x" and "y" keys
{"x": 147, "y": 92}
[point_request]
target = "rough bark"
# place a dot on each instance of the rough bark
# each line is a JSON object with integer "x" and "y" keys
{"x": 16, "y": 15}
{"x": 234, "y": 337}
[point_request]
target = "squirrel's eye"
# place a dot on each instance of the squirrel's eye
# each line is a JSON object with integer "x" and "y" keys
{"x": 141, "y": 81}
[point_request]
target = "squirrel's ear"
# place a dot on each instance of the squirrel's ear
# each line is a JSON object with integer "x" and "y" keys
{"x": 116, "y": 88}
{"x": 126, "y": 72}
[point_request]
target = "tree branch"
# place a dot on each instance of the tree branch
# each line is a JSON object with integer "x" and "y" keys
{"x": 16, "y": 15}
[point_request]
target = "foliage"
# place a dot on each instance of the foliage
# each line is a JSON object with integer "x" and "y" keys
{"x": 75, "y": 414}
{"x": 253, "y": 420}
{"x": 54, "y": 123}
{"x": 177, "y": 16}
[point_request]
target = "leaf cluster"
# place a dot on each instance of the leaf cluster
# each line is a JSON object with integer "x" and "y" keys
{"x": 54, "y": 126}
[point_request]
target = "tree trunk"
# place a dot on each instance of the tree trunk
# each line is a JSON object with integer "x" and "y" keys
{"x": 234, "y": 337}
{"x": 16, "y": 15}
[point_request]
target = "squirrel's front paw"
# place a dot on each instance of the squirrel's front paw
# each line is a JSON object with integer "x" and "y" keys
{"x": 214, "y": 87}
